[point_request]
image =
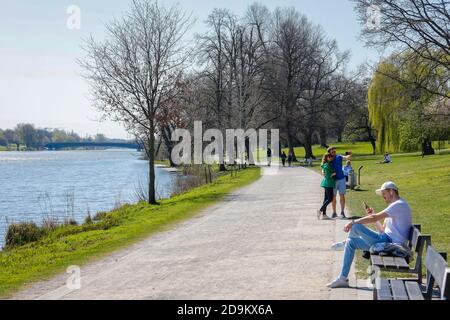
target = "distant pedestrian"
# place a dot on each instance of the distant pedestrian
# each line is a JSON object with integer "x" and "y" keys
{"x": 283, "y": 158}
{"x": 269, "y": 156}
{"x": 290, "y": 158}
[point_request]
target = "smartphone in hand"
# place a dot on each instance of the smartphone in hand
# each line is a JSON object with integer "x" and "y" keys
{"x": 365, "y": 205}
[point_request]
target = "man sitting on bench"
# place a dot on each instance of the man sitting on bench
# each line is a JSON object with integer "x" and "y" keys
{"x": 396, "y": 227}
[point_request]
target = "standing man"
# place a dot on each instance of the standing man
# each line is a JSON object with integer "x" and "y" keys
{"x": 269, "y": 157}
{"x": 340, "y": 180}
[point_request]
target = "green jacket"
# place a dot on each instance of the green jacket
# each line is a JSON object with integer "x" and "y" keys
{"x": 328, "y": 181}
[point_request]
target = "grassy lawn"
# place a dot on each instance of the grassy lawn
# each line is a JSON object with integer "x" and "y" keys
{"x": 358, "y": 148}
{"x": 77, "y": 245}
{"x": 423, "y": 182}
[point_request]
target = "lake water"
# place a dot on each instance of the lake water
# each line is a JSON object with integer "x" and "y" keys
{"x": 62, "y": 184}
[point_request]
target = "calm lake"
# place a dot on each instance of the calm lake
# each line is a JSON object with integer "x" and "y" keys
{"x": 61, "y": 184}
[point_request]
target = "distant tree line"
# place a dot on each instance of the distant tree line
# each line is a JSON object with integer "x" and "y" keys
{"x": 36, "y": 138}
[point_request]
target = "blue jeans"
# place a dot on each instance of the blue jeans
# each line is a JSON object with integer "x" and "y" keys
{"x": 361, "y": 238}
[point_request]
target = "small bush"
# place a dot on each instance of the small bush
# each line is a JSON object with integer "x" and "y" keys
{"x": 100, "y": 215}
{"x": 50, "y": 223}
{"x": 88, "y": 219}
{"x": 19, "y": 234}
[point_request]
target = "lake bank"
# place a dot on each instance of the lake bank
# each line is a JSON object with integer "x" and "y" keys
{"x": 60, "y": 185}
{"x": 76, "y": 245}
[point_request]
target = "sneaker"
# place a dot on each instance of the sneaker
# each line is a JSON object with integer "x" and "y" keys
{"x": 343, "y": 215}
{"x": 338, "y": 246}
{"x": 319, "y": 213}
{"x": 324, "y": 217}
{"x": 338, "y": 283}
{"x": 334, "y": 216}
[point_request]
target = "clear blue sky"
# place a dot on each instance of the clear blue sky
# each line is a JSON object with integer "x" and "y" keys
{"x": 40, "y": 81}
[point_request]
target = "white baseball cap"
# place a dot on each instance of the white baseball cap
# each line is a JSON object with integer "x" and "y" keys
{"x": 386, "y": 186}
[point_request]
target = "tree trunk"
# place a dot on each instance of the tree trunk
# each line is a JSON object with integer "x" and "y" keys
{"x": 323, "y": 137}
{"x": 166, "y": 133}
{"x": 151, "y": 167}
{"x": 291, "y": 147}
{"x": 308, "y": 146}
{"x": 427, "y": 148}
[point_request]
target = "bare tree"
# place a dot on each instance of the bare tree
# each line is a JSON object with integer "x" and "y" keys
{"x": 132, "y": 74}
{"x": 420, "y": 27}
{"x": 324, "y": 86}
{"x": 290, "y": 51}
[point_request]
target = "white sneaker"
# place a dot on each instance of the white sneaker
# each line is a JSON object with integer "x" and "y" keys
{"x": 338, "y": 283}
{"x": 338, "y": 246}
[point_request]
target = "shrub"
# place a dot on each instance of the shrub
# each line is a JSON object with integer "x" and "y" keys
{"x": 19, "y": 234}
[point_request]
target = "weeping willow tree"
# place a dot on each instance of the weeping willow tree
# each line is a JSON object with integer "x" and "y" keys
{"x": 384, "y": 102}
{"x": 401, "y": 111}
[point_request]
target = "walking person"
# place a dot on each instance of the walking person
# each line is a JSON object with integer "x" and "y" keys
{"x": 328, "y": 184}
{"x": 290, "y": 158}
{"x": 340, "y": 183}
{"x": 283, "y": 158}
{"x": 269, "y": 157}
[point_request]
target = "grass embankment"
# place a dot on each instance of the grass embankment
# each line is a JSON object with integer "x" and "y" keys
{"x": 73, "y": 245}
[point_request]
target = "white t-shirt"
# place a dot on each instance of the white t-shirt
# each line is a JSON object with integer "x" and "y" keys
{"x": 398, "y": 225}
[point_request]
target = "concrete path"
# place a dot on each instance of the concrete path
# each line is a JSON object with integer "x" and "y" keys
{"x": 263, "y": 242}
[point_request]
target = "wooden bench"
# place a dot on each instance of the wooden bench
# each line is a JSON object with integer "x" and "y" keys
{"x": 438, "y": 274}
{"x": 417, "y": 242}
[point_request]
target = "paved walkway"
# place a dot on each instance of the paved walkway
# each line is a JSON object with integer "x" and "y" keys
{"x": 263, "y": 242}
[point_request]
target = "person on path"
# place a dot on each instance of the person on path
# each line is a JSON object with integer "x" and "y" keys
{"x": 269, "y": 157}
{"x": 283, "y": 158}
{"x": 328, "y": 184}
{"x": 341, "y": 185}
{"x": 290, "y": 158}
{"x": 397, "y": 224}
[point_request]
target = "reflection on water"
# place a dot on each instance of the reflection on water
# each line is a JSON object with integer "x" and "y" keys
{"x": 62, "y": 184}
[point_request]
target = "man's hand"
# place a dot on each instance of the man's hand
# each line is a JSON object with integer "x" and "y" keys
{"x": 348, "y": 227}
{"x": 370, "y": 211}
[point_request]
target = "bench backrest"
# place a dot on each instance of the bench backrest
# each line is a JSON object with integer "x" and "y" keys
{"x": 437, "y": 273}
{"x": 413, "y": 238}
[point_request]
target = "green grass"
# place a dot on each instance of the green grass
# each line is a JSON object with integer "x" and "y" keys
{"x": 358, "y": 148}
{"x": 423, "y": 182}
{"x": 72, "y": 246}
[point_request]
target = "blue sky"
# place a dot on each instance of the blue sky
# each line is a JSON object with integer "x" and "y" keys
{"x": 40, "y": 81}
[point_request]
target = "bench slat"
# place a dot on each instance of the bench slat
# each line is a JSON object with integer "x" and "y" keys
{"x": 383, "y": 289}
{"x": 414, "y": 290}
{"x": 398, "y": 290}
{"x": 401, "y": 263}
{"x": 376, "y": 260}
{"x": 389, "y": 262}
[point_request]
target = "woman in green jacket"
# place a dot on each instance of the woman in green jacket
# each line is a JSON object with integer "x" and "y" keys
{"x": 328, "y": 184}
